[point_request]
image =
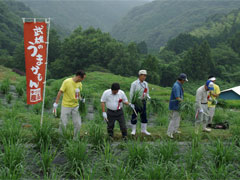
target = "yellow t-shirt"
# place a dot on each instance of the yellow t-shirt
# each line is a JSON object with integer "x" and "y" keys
{"x": 215, "y": 91}
{"x": 69, "y": 92}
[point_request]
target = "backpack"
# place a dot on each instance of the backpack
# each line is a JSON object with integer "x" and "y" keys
{"x": 223, "y": 125}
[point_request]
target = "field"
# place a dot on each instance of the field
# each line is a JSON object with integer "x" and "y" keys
{"x": 31, "y": 152}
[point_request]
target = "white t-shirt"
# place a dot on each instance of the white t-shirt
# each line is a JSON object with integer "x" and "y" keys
{"x": 114, "y": 101}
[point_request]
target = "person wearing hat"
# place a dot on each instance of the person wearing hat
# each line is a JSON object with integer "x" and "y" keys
{"x": 174, "y": 105}
{"x": 212, "y": 101}
{"x": 202, "y": 113}
{"x": 114, "y": 99}
{"x": 140, "y": 88}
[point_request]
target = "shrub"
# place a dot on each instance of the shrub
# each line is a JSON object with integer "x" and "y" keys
{"x": 5, "y": 86}
{"x": 9, "y": 98}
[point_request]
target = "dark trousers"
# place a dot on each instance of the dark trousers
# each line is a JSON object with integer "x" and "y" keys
{"x": 112, "y": 117}
{"x": 143, "y": 113}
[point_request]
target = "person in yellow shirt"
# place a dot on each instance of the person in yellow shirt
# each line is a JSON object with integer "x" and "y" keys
{"x": 70, "y": 89}
{"x": 212, "y": 100}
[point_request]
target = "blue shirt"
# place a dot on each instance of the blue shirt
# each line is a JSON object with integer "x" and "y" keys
{"x": 177, "y": 92}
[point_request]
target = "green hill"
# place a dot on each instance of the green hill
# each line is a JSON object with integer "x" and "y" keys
{"x": 159, "y": 21}
{"x": 11, "y": 25}
{"x": 71, "y": 14}
{"x": 218, "y": 28}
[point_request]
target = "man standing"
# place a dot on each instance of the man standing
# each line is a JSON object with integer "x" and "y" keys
{"x": 202, "y": 113}
{"x": 114, "y": 99}
{"x": 177, "y": 95}
{"x": 212, "y": 102}
{"x": 139, "y": 89}
{"x": 70, "y": 89}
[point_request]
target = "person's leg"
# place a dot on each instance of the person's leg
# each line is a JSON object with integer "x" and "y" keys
{"x": 205, "y": 116}
{"x": 76, "y": 120}
{"x": 198, "y": 120}
{"x": 111, "y": 123}
{"x": 177, "y": 118}
{"x": 134, "y": 116}
{"x": 143, "y": 113}
{"x": 171, "y": 123}
{"x": 122, "y": 124}
{"x": 174, "y": 122}
{"x": 144, "y": 120}
{"x": 65, "y": 112}
{"x": 211, "y": 114}
{"x": 134, "y": 121}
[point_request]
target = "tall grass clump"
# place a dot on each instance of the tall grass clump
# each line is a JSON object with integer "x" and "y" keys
{"x": 47, "y": 155}
{"x": 222, "y": 154}
{"x": 160, "y": 170}
{"x": 77, "y": 155}
{"x": 96, "y": 135}
{"x": 5, "y": 86}
{"x": 12, "y": 160}
{"x": 9, "y": 98}
{"x": 20, "y": 88}
{"x": 194, "y": 156}
{"x": 187, "y": 109}
{"x": 166, "y": 151}
{"x": 43, "y": 135}
{"x": 138, "y": 153}
{"x": 11, "y": 131}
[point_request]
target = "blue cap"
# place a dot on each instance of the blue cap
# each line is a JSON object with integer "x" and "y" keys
{"x": 183, "y": 76}
{"x": 210, "y": 85}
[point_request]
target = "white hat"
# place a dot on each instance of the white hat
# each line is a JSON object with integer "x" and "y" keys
{"x": 144, "y": 72}
{"x": 212, "y": 79}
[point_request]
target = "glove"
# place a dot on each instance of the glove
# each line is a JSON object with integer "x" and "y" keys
{"x": 105, "y": 116}
{"x": 148, "y": 96}
{"x": 55, "y": 105}
{"x": 132, "y": 106}
{"x": 201, "y": 110}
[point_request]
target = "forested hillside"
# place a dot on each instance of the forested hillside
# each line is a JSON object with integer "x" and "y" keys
{"x": 159, "y": 21}
{"x": 212, "y": 48}
{"x": 96, "y": 13}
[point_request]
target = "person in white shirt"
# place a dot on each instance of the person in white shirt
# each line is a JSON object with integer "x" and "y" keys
{"x": 114, "y": 99}
{"x": 140, "y": 87}
{"x": 202, "y": 112}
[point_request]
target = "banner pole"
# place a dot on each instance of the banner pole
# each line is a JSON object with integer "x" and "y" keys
{"x": 44, "y": 88}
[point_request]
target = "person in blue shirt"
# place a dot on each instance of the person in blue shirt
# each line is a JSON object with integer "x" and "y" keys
{"x": 174, "y": 105}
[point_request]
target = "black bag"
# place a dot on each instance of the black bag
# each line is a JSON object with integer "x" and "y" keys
{"x": 223, "y": 125}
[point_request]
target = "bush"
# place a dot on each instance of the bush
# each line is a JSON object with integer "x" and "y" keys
{"x": 76, "y": 153}
{"x": 96, "y": 134}
{"x": 9, "y": 98}
{"x": 5, "y": 86}
{"x": 12, "y": 160}
{"x": 138, "y": 153}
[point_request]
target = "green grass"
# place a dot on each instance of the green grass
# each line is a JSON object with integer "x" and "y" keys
{"x": 93, "y": 156}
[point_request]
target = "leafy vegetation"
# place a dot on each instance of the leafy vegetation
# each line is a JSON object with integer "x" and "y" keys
{"x": 32, "y": 151}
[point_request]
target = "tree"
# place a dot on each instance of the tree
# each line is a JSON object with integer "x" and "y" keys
{"x": 142, "y": 47}
{"x": 151, "y": 64}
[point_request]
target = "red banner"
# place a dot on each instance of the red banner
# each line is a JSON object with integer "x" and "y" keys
{"x": 35, "y": 38}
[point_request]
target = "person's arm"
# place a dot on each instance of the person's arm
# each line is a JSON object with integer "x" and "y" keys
{"x": 198, "y": 100}
{"x": 58, "y": 96}
{"x": 132, "y": 90}
{"x": 103, "y": 106}
{"x": 176, "y": 92}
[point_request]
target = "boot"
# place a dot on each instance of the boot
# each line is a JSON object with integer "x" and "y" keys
{"x": 134, "y": 126}
{"x": 144, "y": 129}
{"x": 206, "y": 130}
{"x": 170, "y": 135}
